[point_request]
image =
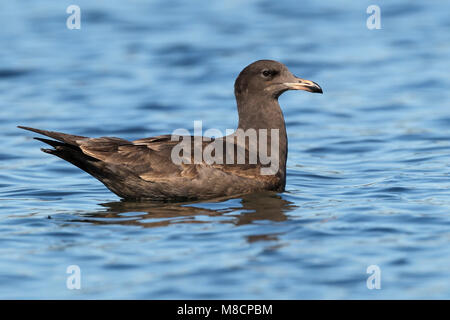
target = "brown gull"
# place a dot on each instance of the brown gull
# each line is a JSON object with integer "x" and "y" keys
{"x": 145, "y": 169}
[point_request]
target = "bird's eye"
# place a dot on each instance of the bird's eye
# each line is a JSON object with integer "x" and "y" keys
{"x": 266, "y": 73}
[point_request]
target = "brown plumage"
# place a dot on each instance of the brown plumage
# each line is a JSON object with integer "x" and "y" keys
{"x": 143, "y": 169}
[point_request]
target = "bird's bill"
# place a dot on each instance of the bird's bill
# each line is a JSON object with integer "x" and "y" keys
{"x": 302, "y": 84}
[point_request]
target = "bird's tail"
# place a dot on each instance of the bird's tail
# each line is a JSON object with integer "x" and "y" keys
{"x": 66, "y": 148}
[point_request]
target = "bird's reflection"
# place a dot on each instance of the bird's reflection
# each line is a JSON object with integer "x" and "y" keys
{"x": 241, "y": 210}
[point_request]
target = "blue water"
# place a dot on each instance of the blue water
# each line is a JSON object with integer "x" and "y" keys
{"x": 369, "y": 160}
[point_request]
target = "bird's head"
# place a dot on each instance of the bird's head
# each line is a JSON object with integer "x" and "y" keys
{"x": 269, "y": 77}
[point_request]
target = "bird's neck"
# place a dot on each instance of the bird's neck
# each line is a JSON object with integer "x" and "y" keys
{"x": 260, "y": 113}
{"x": 264, "y": 113}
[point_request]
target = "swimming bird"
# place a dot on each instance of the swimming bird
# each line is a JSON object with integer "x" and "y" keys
{"x": 146, "y": 169}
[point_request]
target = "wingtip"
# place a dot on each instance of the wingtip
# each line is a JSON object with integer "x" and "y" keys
{"x": 25, "y": 128}
{"x": 39, "y": 131}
